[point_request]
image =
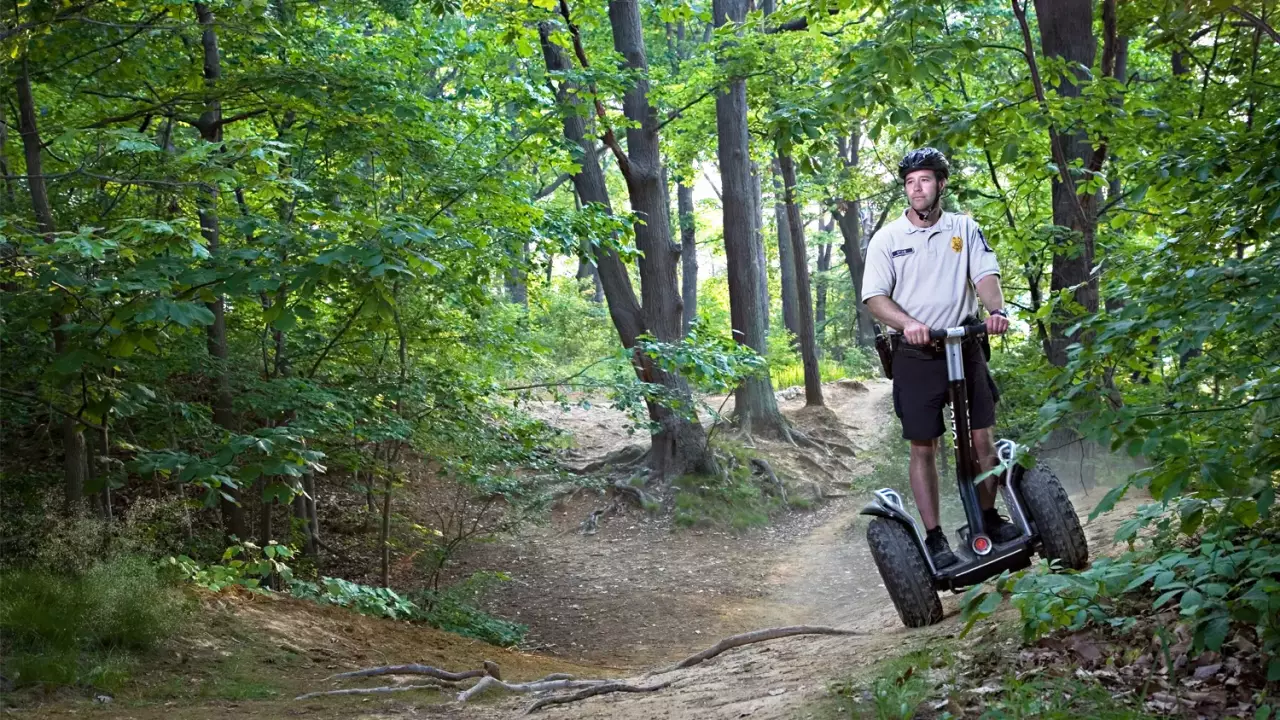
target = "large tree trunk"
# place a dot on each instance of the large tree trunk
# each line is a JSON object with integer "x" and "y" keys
{"x": 680, "y": 446}
{"x": 808, "y": 343}
{"x": 756, "y": 406}
{"x": 757, "y": 241}
{"x": 1066, "y": 31}
{"x": 75, "y": 466}
{"x": 849, "y": 219}
{"x": 688, "y": 253}
{"x": 210, "y": 127}
{"x": 786, "y": 259}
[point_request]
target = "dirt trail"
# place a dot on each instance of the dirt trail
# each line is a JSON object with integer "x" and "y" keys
{"x": 814, "y": 569}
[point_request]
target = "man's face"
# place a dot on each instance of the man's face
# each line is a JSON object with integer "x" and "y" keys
{"x": 923, "y": 188}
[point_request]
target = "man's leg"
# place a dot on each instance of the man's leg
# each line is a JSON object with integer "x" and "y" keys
{"x": 984, "y": 456}
{"x": 984, "y": 450}
{"x": 924, "y": 481}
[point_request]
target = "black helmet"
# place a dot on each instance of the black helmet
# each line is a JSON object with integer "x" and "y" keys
{"x": 925, "y": 158}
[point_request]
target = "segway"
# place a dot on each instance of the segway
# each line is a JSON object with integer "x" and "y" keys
{"x": 1036, "y": 501}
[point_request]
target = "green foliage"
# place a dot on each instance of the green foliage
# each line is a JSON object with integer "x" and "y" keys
{"x": 1226, "y": 578}
{"x": 456, "y": 609}
{"x": 84, "y": 629}
{"x": 244, "y": 565}
{"x": 366, "y": 600}
{"x": 734, "y": 500}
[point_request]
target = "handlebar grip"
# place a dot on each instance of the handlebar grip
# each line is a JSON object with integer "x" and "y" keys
{"x": 970, "y": 330}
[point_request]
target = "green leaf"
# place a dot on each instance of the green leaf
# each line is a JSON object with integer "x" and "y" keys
{"x": 1191, "y": 601}
{"x": 1216, "y": 632}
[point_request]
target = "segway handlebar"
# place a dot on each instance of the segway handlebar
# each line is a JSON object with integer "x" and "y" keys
{"x": 963, "y": 331}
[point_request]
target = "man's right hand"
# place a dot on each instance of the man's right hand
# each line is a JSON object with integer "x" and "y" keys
{"x": 916, "y": 333}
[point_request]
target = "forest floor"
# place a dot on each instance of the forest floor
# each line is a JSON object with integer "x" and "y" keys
{"x": 620, "y": 603}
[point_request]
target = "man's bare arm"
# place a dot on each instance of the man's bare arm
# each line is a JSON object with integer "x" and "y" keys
{"x": 892, "y": 314}
{"x": 993, "y": 299}
{"x": 990, "y": 292}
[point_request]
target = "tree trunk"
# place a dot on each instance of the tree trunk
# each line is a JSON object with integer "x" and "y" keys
{"x": 756, "y": 406}
{"x": 849, "y": 219}
{"x": 210, "y": 126}
{"x": 516, "y": 278}
{"x": 820, "y": 305}
{"x": 1066, "y": 31}
{"x": 74, "y": 456}
{"x": 680, "y": 447}
{"x": 688, "y": 253}
{"x": 786, "y": 260}
{"x": 757, "y": 241}
{"x": 384, "y": 537}
{"x": 808, "y": 343}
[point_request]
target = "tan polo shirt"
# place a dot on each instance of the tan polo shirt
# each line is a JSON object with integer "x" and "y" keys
{"x": 930, "y": 272}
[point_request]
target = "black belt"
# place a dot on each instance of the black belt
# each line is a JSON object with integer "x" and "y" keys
{"x": 935, "y": 348}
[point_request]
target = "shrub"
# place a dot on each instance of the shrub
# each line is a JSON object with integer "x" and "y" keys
{"x": 68, "y": 629}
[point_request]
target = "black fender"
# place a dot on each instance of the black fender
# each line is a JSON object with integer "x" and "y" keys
{"x": 888, "y": 504}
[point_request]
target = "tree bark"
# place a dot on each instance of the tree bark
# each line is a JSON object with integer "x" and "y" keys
{"x": 1066, "y": 31}
{"x": 516, "y": 278}
{"x": 808, "y": 343}
{"x": 688, "y": 253}
{"x": 757, "y": 240}
{"x": 210, "y": 126}
{"x": 820, "y": 285}
{"x": 756, "y": 407}
{"x": 849, "y": 219}
{"x": 786, "y": 260}
{"x": 75, "y": 466}
{"x": 680, "y": 447}
{"x": 384, "y": 537}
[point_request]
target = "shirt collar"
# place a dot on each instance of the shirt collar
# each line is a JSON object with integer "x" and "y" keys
{"x": 944, "y": 223}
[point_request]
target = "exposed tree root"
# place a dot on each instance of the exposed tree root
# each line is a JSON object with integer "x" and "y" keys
{"x": 608, "y": 687}
{"x": 375, "y": 690}
{"x": 626, "y": 457}
{"x": 764, "y": 467}
{"x": 803, "y": 440}
{"x": 635, "y": 494}
{"x": 551, "y": 682}
{"x": 756, "y": 636}
{"x": 491, "y": 668}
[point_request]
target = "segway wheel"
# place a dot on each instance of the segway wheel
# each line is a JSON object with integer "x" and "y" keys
{"x": 904, "y": 571}
{"x": 1061, "y": 536}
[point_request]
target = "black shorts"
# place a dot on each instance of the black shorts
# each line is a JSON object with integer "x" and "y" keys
{"x": 920, "y": 391}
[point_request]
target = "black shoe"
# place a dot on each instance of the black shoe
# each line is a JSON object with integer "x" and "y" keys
{"x": 1000, "y": 529}
{"x": 936, "y": 543}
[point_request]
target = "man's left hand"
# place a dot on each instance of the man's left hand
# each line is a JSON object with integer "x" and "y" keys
{"x": 997, "y": 324}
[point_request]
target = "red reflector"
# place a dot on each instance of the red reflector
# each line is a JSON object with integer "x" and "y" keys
{"x": 981, "y": 544}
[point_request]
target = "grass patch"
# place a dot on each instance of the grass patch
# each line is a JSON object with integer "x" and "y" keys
{"x": 704, "y": 501}
{"x": 84, "y": 629}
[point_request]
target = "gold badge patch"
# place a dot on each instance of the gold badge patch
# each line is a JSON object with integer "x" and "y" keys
{"x": 956, "y": 243}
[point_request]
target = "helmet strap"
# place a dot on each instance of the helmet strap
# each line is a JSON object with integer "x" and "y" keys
{"x": 928, "y": 213}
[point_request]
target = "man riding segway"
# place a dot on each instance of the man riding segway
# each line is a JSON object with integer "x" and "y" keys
{"x": 924, "y": 274}
{"x": 921, "y": 273}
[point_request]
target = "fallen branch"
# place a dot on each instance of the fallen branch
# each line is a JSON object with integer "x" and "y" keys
{"x": 608, "y": 687}
{"x": 551, "y": 682}
{"x": 756, "y": 636}
{"x": 414, "y": 669}
{"x": 373, "y": 691}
